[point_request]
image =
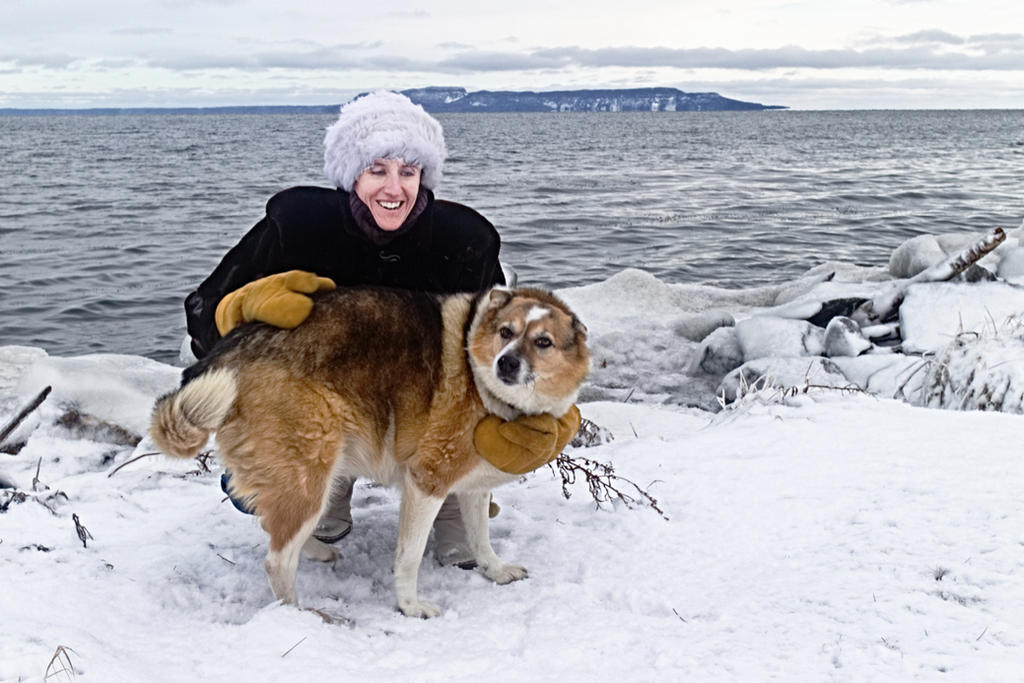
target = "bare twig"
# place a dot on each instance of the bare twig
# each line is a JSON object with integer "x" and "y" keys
{"x": 129, "y": 462}
{"x": 294, "y": 646}
{"x": 225, "y": 559}
{"x": 204, "y": 459}
{"x": 83, "y": 533}
{"x": 602, "y": 482}
{"x": 35, "y": 479}
{"x": 20, "y": 417}
{"x": 852, "y": 388}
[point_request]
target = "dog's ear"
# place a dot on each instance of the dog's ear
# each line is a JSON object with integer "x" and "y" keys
{"x": 578, "y": 325}
{"x": 498, "y": 297}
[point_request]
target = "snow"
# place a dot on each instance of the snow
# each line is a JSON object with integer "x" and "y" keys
{"x": 934, "y": 313}
{"x": 844, "y": 518}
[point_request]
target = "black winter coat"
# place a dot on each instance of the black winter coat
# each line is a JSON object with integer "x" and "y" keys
{"x": 450, "y": 249}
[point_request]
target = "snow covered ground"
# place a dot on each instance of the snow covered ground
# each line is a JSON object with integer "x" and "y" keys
{"x": 812, "y": 533}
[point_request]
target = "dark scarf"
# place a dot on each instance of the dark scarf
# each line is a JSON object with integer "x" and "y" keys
{"x": 369, "y": 228}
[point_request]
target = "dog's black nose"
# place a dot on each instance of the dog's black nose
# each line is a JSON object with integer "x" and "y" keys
{"x": 508, "y": 368}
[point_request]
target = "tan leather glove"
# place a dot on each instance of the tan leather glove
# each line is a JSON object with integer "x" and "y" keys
{"x": 524, "y": 444}
{"x": 279, "y": 300}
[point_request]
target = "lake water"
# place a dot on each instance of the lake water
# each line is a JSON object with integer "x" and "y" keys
{"x": 107, "y": 222}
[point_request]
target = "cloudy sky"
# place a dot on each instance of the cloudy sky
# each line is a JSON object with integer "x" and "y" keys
{"x": 808, "y": 54}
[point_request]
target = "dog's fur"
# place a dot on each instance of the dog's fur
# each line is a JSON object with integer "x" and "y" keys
{"x": 378, "y": 383}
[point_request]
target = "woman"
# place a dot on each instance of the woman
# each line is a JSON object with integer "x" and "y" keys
{"x": 381, "y": 226}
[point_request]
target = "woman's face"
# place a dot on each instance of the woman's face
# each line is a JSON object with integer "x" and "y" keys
{"x": 389, "y": 188}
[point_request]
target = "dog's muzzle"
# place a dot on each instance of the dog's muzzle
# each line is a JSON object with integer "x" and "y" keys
{"x": 508, "y": 368}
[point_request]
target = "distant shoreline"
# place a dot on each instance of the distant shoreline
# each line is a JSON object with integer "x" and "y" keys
{"x": 312, "y": 110}
{"x": 441, "y": 100}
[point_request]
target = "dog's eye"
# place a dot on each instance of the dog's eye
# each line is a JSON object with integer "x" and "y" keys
{"x": 542, "y": 342}
{"x": 505, "y": 332}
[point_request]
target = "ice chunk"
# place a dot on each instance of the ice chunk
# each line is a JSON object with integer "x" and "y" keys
{"x": 765, "y": 336}
{"x": 699, "y": 326}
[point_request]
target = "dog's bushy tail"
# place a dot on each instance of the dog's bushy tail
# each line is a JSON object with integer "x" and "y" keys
{"x": 183, "y": 419}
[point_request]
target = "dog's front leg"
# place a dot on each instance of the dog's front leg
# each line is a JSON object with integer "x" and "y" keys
{"x": 474, "y": 506}
{"x": 415, "y": 518}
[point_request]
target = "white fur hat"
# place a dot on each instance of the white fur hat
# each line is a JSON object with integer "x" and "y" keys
{"x": 383, "y": 125}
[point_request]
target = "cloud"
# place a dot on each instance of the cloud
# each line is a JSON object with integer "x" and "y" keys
{"x": 998, "y": 41}
{"x": 929, "y": 36}
{"x": 45, "y": 61}
{"x": 923, "y": 50}
{"x": 342, "y": 56}
{"x": 475, "y": 60}
{"x": 141, "y": 31}
{"x": 178, "y": 4}
{"x": 982, "y": 56}
{"x": 937, "y": 39}
{"x": 408, "y": 14}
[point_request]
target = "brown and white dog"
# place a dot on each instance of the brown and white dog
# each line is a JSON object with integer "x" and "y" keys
{"x": 378, "y": 383}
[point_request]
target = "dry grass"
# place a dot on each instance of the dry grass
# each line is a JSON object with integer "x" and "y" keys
{"x": 60, "y": 667}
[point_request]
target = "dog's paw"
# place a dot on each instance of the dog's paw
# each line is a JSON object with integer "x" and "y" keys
{"x": 415, "y": 608}
{"x": 318, "y": 550}
{"x": 505, "y": 573}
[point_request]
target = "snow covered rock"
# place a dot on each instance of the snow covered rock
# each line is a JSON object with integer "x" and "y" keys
{"x": 767, "y": 336}
{"x": 915, "y": 255}
{"x": 719, "y": 353}
{"x": 1011, "y": 265}
{"x": 764, "y": 373}
{"x": 888, "y": 375}
{"x": 115, "y": 388}
{"x": 843, "y": 337}
{"x": 920, "y": 253}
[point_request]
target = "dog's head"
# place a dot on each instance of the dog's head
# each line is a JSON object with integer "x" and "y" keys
{"x": 528, "y": 350}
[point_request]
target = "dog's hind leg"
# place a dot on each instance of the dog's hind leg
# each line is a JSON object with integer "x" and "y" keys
{"x": 416, "y": 516}
{"x": 283, "y": 560}
{"x": 289, "y": 508}
{"x": 474, "y": 506}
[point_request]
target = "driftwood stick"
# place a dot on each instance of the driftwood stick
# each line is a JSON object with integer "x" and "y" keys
{"x": 20, "y": 417}
{"x": 876, "y": 310}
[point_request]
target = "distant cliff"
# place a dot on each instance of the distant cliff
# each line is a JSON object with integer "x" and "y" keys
{"x": 441, "y": 100}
